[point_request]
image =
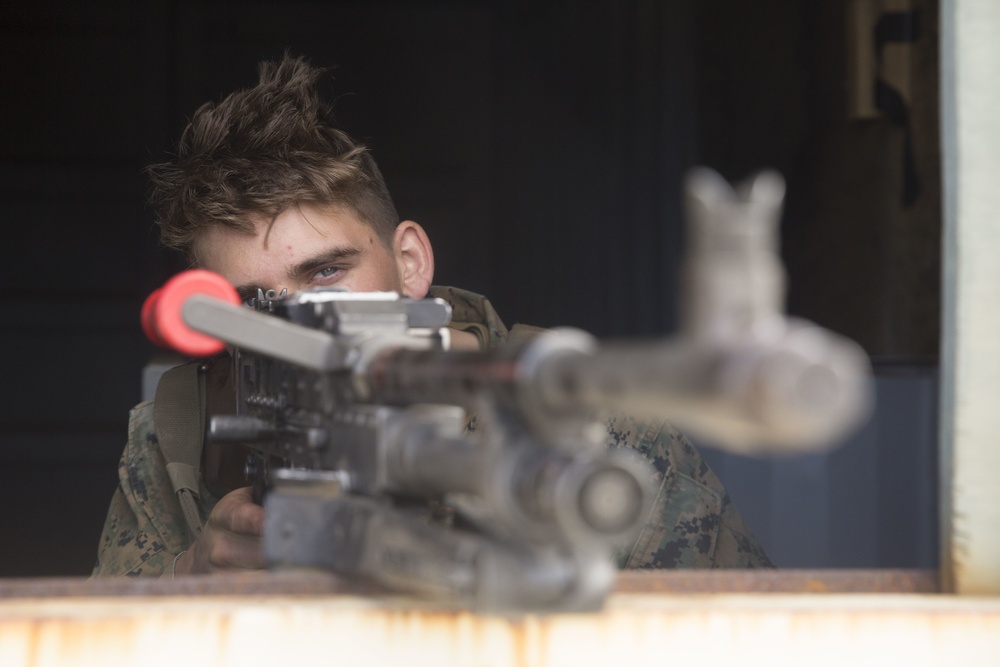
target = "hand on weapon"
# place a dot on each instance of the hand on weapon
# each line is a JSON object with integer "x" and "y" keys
{"x": 230, "y": 540}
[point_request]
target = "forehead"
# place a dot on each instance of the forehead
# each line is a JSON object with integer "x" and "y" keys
{"x": 276, "y": 246}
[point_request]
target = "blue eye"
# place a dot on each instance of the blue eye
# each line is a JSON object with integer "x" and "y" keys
{"x": 328, "y": 273}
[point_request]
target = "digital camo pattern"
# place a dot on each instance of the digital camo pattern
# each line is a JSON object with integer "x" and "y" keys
{"x": 692, "y": 522}
{"x": 145, "y": 528}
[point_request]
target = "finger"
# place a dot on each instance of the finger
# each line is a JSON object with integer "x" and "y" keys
{"x": 247, "y": 519}
{"x": 235, "y": 552}
{"x": 236, "y": 512}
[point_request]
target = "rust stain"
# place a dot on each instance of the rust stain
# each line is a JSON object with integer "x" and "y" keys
{"x": 816, "y": 586}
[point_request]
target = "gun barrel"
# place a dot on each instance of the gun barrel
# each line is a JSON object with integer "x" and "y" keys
{"x": 797, "y": 387}
{"x": 802, "y": 390}
{"x": 802, "y": 387}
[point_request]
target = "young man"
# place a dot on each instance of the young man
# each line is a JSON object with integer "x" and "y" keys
{"x": 265, "y": 191}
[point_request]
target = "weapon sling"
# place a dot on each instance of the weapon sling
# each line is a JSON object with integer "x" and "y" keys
{"x": 180, "y": 396}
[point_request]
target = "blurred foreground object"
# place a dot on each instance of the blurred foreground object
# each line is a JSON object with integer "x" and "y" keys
{"x": 775, "y": 384}
{"x": 355, "y": 414}
{"x": 741, "y": 375}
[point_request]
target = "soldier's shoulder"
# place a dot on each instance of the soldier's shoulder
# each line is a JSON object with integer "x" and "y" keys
{"x": 666, "y": 447}
{"x": 693, "y": 522}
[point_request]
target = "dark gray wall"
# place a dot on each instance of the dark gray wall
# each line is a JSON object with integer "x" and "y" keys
{"x": 542, "y": 145}
{"x": 870, "y": 501}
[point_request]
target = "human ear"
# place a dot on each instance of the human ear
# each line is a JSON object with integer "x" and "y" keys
{"x": 414, "y": 259}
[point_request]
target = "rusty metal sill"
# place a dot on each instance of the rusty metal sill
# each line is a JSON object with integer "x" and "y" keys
{"x": 630, "y": 582}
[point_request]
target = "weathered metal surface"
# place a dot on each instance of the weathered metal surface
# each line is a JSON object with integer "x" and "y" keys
{"x": 320, "y": 584}
{"x": 683, "y": 629}
{"x": 255, "y": 583}
{"x": 778, "y": 581}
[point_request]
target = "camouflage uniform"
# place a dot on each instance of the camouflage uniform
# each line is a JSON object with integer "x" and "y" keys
{"x": 692, "y": 522}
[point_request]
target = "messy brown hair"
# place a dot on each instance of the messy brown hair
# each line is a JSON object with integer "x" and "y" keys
{"x": 260, "y": 151}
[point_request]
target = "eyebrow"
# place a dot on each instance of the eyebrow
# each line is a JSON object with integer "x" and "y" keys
{"x": 304, "y": 268}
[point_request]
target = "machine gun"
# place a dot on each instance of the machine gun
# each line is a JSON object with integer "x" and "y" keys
{"x": 357, "y": 412}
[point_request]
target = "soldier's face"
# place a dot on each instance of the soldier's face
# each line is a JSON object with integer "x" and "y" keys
{"x": 306, "y": 246}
